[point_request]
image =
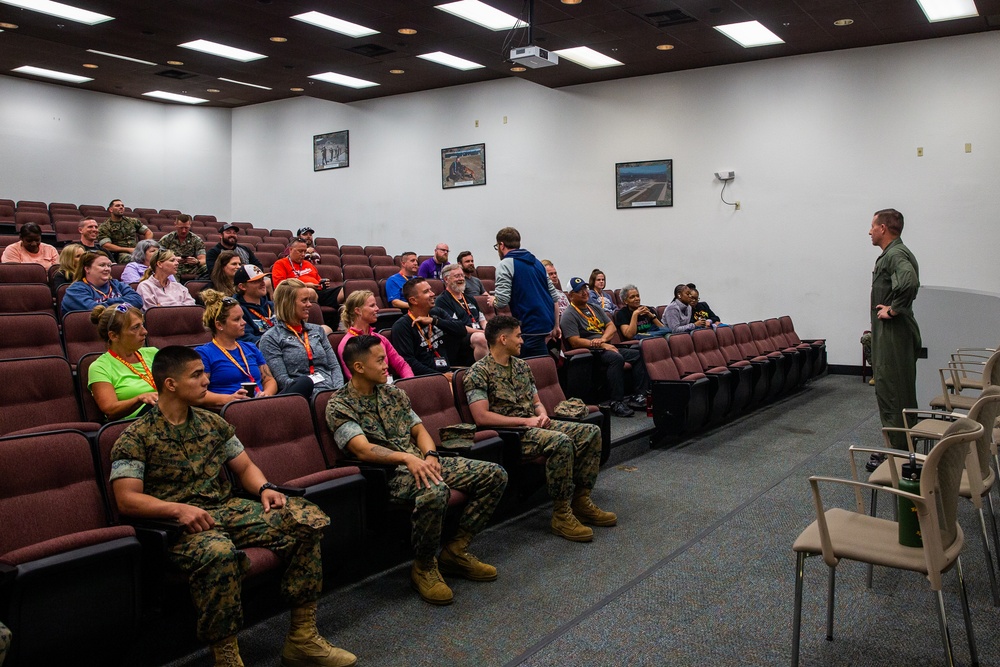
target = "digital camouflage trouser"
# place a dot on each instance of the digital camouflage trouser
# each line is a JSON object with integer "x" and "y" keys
{"x": 482, "y": 481}
{"x": 215, "y": 567}
{"x": 574, "y": 455}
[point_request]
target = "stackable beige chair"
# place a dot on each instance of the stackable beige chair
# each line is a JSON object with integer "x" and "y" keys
{"x": 965, "y": 375}
{"x": 838, "y": 533}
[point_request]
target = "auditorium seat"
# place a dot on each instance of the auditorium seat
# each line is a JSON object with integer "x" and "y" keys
{"x": 686, "y": 361}
{"x": 242, "y": 225}
{"x": 375, "y": 251}
{"x": 205, "y": 218}
{"x": 29, "y": 335}
{"x": 680, "y": 406}
{"x": 809, "y": 354}
{"x": 25, "y": 297}
{"x": 275, "y": 248}
{"x": 352, "y": 250}
{"x": 387, "y": 315}
{"x": 171, "y": 213}
{"x": 279, "y": 436}
{"x": 482, "y": 302}
{"x": 788, "y": 329}
{"x": 331, "y": 271}
{"x": 489, "y": 284}
{"x": 266, "y": 259}
{"x": 761, "y": 366}
{"x": 353, "y": 259}
{"x": 117, "y": 270}
{"x": 69, "y": 582}
{"x": 385, "y": 272}
{"x": 23, "y": 273}
{"x": 43, "y": 397}
{"x": 358, "y": 272}
{"x": 91, "y": 412}
{"x": 706, "y": 346}
{"x": 66, "y": 226}
{"x": 486, "y": 272}
{"x": 381, "y": 260}
{"x": 778, "y": 363}
{"x": 767, "y": 347}
{"x": 437, "y": 286}
{"x": 316, "y": 313}
{"x": 282, "y": 233}
{"x": 30, "y": 204}
{"x": 145, "y": 213}
{"x": 176, "y": 325}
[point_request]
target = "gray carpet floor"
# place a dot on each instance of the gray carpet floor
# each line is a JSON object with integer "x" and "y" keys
{"x": 699, "y": 570}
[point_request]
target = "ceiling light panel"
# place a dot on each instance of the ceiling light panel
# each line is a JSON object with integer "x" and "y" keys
{"x": 948, "y": 10}
{"x": 482, "y": 14}
{"x": 343, "y": 80}
{"x": 243, "y": 83}
{"x": 52, "y": 74}
{"x": 328, "y": 22}
{"x": 62, "y": 11}
{"x": 749, "y": 34}
{"x": 216, "y": 49}
{"x": 174, "y": 97}
{"x": 589, "y": 58}
{"x": 115, "y": 55}
{"x": 442, "y": 58}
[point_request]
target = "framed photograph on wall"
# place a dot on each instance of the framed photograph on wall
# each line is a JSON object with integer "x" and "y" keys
{"x": 463, "y": 165}
{"x": 331, "y": 150}
{"x": 644, "y": 184}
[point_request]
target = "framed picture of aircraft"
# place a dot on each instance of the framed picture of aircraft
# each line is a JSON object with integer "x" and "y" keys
{"x": 644, "y": 184}
{"x": 463, "y": 166}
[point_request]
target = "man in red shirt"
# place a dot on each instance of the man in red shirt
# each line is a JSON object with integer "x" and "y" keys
{"x": 297, "y": 266}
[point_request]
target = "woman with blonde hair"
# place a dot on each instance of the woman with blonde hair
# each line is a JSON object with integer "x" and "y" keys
{"x": 158, "y": 286}
{"x": 69, "y": 259}
{"x": 232, "y": 364}
{"x": 359, "y": 314}
{"x": 295, "y": 348}
{"x": 121, "y": 379}
{"x": 226, "y": 266}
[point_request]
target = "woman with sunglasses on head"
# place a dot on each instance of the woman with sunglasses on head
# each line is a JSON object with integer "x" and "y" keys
{"x": 121, "y": 379}
{"x": 158, "y": 286}
{"x": 94, "y": 286}
{"x": 360, "y": 313}
{"x": 232, "y": 363}
{"x": 295, "y": 348}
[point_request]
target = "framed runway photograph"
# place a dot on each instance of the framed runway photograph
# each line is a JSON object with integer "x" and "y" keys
{"x": 463, "y": 165}
{"x": 331, "y": 150}
{"x": 644, "y": 184}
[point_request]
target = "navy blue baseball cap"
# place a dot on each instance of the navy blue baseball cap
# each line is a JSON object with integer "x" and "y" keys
{"x": 577, "y": 284}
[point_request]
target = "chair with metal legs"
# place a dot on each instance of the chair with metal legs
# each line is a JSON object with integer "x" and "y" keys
{"x": 837, "y": 533}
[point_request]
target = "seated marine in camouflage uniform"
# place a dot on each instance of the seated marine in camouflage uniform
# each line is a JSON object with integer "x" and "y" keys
{"x": 166, "y": 466}
{"x": 188, "y": 246}
{"x": 501, "y": 393}
{"x": 373, "y": 420}
{"x": 117, "y": 235}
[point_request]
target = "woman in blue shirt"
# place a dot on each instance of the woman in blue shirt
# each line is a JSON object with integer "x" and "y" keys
{"x": 94, "y": 286}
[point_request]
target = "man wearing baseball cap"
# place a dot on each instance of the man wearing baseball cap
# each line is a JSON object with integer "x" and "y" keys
{"x": 589, "y": 328}
{"x": 306, "y": 234}
{"x": 229, "y": 233}
{"x": 258, "y": 310}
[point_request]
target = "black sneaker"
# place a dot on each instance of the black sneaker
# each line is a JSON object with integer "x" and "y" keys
{"x": 619, "y": 409}
{"x": 874, "y": 462}
{"x": 636, "y": 402}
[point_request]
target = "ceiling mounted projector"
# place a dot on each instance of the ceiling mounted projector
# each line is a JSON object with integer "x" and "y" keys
{"x": 533, "y": 57}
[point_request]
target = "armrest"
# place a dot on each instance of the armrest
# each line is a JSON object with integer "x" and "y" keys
{"x": 895, "y": 453}
{"x": 291, "y": 490}
{"x": 7, "y": 573}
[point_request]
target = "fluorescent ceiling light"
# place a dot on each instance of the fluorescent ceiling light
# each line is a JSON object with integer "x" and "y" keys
{"x": 174, "y": 97}
{"x": 946, "y": 10}
{"x": 61, "y": 10}
{"x": 343, "y": 80}
{"x": 336, "y": 25}
{"x": 442, "y": 58}
{"x": 52, "y": 74}
{"x": 586, "y": 56}
{"x": 243, "y": 83}
{"x": 749, "y": 33}
{"x": 216, "y": 49}
{"x": 115, "y": 55}
{"x": 482, "y": 14}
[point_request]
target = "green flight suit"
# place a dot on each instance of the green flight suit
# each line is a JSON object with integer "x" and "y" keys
{"x": 896, "y": 341}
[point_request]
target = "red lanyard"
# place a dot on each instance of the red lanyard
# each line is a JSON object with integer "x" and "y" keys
{"x": 356, "y": 332}
{"x": 593, "y": 321}
{"x": 304, "y": 339}
{"x": 146, "y": 375}
{"x": 245, "y": 368}
{"x": 429, "y": 336}
{"x": 104, "y": 297}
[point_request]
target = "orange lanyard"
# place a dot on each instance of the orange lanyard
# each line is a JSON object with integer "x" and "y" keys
{"x": 461, "y": 300}
{"x": 429, "y": 336}
{"x": 355, "y": 332}
{"x": 304, "y": 339}
{"x": 146, "y": 375}
{"x": 245, "y": 368}
{"x": 104, "y": 297}
{"x": 593, "y": 321}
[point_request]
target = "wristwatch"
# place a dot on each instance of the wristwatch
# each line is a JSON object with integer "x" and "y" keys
{"x": 433, "y": 453}
{"x": 265, "y": 486}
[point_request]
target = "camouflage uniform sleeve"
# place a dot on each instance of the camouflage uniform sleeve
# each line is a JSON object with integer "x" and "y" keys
{"x": 342, "y": 422}
{"x": 104, "y": 233}
{"x": 476, "y": 383}
{"x": 414, "y": 418}
{"x": 198, "y": 245}
{"x": 140, "y": 226}
{"x": 231, "y": 447}
{"x": 128, "y": 455}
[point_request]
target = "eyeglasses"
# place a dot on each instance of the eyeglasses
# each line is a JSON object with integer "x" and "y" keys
{"x": 496, "y": 246}
{"x": 123, "y": 307}
{"x": 230, "y": 301}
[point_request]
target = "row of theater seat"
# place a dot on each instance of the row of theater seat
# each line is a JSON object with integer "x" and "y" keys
{"x": 64, "y": 547}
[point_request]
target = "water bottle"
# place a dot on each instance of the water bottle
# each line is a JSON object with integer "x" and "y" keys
{"x": 909, "y": 524}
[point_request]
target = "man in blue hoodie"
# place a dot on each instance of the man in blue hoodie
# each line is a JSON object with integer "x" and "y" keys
{"x": 523, "y": 284}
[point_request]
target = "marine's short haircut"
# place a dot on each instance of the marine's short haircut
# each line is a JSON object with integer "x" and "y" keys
{"x": 112, "y": 203}
{"x": 410, "y": 286}
{"x": 500, "y": 324}
{"x": 357, "y": 348}
{"x": 407, "y": 254}
{"x": 892, "y": 219}
{"x": 170, "y": 361}
{"x": 183, "y": 217}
